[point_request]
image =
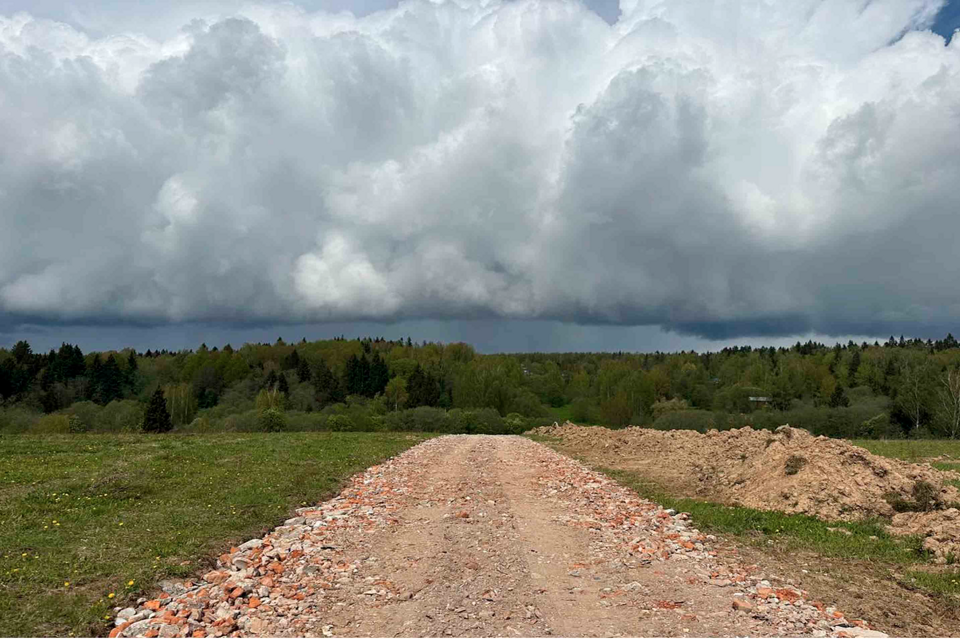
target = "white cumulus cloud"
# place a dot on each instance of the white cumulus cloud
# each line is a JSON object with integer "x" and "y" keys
{"x": 722, "y": 168}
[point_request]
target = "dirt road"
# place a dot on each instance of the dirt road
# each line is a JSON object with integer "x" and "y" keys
{"x": 485, "y": 536}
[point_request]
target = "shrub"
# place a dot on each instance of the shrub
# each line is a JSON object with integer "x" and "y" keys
{"x": 583, "y": 411}
{"x": 925, "y": 497}
{"x": 87, "y": 414}
{"x": 793, "y": 465}
{"x": 75, "y": 424}
{"x": 339, "y": 422}
{"x": 120, "y": 415}
{"x": 271, "y": 420}
{"x": 668, "y": 406}
{"x": 17, "y": 419}
{"x": 694, "y": 419}
{"x": 52, "y": 423}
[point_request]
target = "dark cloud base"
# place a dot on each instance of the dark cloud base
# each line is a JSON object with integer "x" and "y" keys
{"x": 503, "y": 336}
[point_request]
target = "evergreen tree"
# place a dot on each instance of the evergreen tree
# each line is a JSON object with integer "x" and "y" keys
{"x": 839, "y": 398}
{"x": 156, "y": 419}
{"x": 303, "y": 371}
{"x": 379, "y": 375}
{"x": 93, "y": 388}
{"x": 111, "y": 381}
{"x": 327, "y": 385}
{"x": 282, "y": 385}
{"x": 292, "y": 361}
{"x": 423, "y": 390}
{"x": 854, "y": 367}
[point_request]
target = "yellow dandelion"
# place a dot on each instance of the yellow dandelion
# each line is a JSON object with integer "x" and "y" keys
{"x": 110, "y": 595}
{"x": 66, "y": 584}
{"x": 130, "y": 584}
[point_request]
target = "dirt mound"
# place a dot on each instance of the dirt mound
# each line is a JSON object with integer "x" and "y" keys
{"x": 940, "y": 529}
{"x": 788, "y": 470}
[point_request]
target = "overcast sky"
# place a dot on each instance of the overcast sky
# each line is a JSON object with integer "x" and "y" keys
{"x": 524, "y": 175}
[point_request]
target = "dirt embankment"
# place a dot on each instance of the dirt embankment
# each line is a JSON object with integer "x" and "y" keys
{"x": 788, "y": 470}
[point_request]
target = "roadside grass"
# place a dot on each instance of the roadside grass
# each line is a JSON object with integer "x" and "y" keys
{"x": 864, "y": 540}
{"x": 90, "y": 522}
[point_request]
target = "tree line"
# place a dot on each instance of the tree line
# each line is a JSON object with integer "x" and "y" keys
{"x": 899, "y": 387}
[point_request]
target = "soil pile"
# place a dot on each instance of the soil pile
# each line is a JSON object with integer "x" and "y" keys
{"x": 940, "y": 529}
{"x": 788, "y": 470}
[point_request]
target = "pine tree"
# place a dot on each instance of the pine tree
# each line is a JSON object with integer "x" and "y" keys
{"x": 157, "y": 418}
{"x": 132, "y": 367}
{"x": 93, "y": 388}
{"x": 854, "y": 367}
{"x": 111, "y": 381}
{"x": 303, "y": 370}
{"x": 839, "y": 398}
{"x": 327, "y": 385}
{"x": 282, "y": 385}
{"x": 292, "y": 361}
{"x": 379, "y": 375}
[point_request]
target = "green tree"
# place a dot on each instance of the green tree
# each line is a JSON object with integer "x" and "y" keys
{"x": 156, "y": 419}
{"x": 326, "y": 385}
{"x": 303, "y": 370}
{"x": 396, "y": 392}
{"x": 839, "y": 398}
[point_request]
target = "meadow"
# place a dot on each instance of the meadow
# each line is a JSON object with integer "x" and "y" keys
{"x": 91, "y": 522}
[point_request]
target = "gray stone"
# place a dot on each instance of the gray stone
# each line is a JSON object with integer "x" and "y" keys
{"x": 137, "y": 629}
{"x": 127, "y": 613}
{"x": 169, "y": 631}
{"x": 249, "y": 545}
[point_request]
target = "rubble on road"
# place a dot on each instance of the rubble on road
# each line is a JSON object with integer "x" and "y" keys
{"x": 290, "y": 581}
{"x": 620, "y": 518}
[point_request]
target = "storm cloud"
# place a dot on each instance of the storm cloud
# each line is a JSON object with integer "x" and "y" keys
{"x": 711, "y": 168}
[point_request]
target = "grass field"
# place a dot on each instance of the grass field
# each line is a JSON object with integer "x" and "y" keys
{"x": 912, "y": 450}
{"x": 92, "y": 522}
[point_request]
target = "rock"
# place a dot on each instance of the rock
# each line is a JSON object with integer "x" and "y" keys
{"x": 153, "y": 605}
{"x": 136, "y": 629}
{"x": 250, "y": 545}
{"x": 258, "y": 626}
{"x": 169, "y": 630}
{"x": 858, "y": 632}
{"x": 741, "y": 605}
{"x": 127, "y": 613}
{"x": 295, "y": 521}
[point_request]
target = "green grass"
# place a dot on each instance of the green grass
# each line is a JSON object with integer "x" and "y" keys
{"x": 866, "y": 540}
{"x": 82, "y": 517}
{"x": 562, "y": 414}
{"x": 912, "y": 450}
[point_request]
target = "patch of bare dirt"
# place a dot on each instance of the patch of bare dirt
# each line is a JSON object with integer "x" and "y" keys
{"x": 940, "y": 530}
{"x": 788, "y": 470}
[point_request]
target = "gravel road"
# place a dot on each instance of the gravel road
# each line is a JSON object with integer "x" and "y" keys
{"x": 484, "y": 536}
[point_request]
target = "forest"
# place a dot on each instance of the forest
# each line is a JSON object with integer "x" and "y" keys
{"x": 900, "y": 388}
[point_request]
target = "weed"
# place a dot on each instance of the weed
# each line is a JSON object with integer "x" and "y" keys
{"x": 793, "y": 465}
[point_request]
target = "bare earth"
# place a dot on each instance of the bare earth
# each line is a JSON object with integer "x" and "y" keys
{"x": 485, "y": 536}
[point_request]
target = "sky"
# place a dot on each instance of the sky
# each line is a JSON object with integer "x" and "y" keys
{"x": 523, "y": 175}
